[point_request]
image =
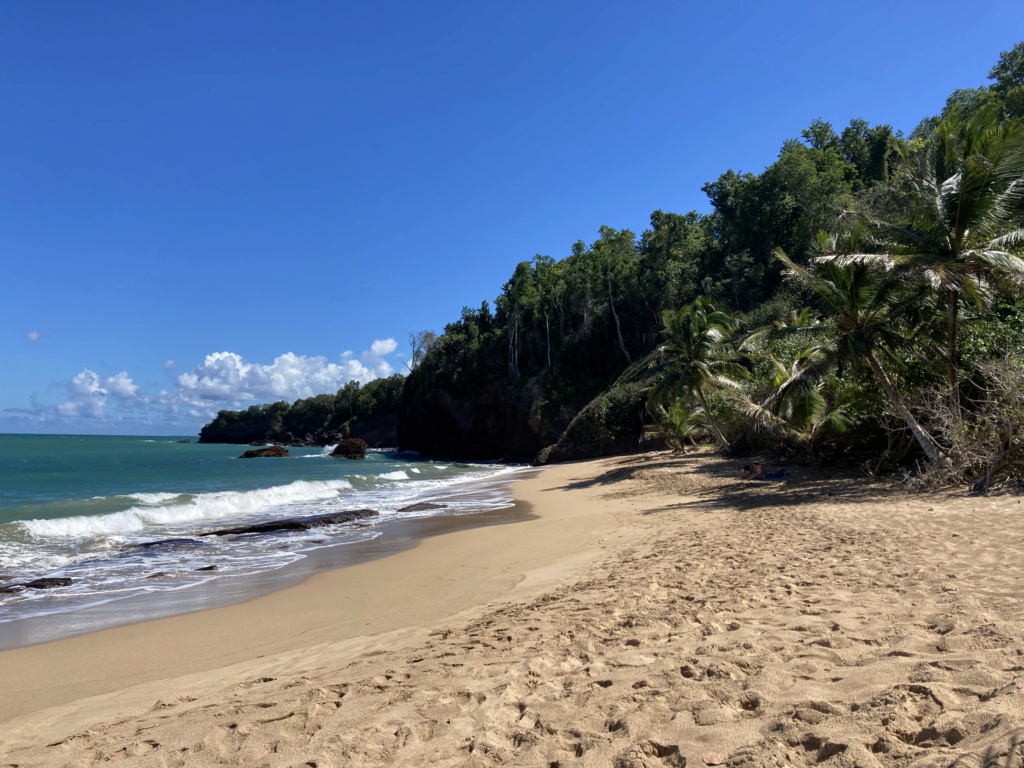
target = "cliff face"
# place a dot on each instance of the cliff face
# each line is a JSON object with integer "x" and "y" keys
{"x": 504, "y": 422}
{"x": 495, "y": 422}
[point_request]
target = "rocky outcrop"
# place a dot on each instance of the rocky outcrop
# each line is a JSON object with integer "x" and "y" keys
{"x": 423, "y": 506}
{"x": 48, "y": 583}
{"x": 273, "y": 451}
{"x": 296, "y": 523}
{"x": 379, "y": 430}
{"x": 350, "y": 448}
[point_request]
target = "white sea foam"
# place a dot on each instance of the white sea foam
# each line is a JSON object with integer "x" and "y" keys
{"x": 99, "y": 551}
{"x": 152, "y": 498}
{"x": 206, "y": 506}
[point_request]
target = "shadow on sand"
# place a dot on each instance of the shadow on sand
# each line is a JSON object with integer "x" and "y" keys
{"x": 707, "y": 480}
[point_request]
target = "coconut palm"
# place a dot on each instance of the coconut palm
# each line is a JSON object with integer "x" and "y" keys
{"x": 799, "y": 405}
{"x": 676, "y": 423}
{"x": 860, "y": 300}
{"x": 697, "y": 356}
{"x": 966, "y": 189}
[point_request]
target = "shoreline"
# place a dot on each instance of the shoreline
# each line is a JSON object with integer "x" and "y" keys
{"x": 414, "y": 575}
{"x": 395, "y": 536}
{"x": 656, "y": 612}
{"x": 392, "y": 534}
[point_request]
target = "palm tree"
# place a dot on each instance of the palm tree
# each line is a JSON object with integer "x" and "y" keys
{"x": 966, "y": 190}
{"x": 696, "y": 357}
{"x": 801, "y": 406}
{"x": 860, "y": 301}
{"x": 676, "y": 423}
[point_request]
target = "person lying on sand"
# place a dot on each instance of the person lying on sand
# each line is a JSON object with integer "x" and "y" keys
{"x": 757, "y": 472}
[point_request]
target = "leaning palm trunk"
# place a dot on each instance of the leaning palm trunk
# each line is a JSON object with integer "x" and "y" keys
{"x": 711, "y": 419}
{"x": 926, "y": 441}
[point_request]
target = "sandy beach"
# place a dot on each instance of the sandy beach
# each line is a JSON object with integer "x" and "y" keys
{"x": 637, "y": 611}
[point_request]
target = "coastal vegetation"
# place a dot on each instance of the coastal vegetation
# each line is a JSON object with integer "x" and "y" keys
{"x": 371, "y": 409}
{"x": 857, "y": 301}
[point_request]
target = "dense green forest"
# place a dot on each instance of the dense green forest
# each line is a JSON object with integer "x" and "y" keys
{"x": 858, "y": 301}
{"x": 371, "y": 410}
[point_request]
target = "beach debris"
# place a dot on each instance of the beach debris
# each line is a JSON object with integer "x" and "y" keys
{"x": 270, "y": 452}
{"x": 350, "y": 448}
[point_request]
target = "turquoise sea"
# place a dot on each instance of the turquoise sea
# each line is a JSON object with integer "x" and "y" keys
{"x": 123, "y": 517}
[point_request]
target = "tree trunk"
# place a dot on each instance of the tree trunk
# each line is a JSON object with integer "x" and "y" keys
{"x": 547, "y": 331}
{"x": 513, "y": 346}
{"x": 618, "y": 326}
{"x": 711, "y": 420}
{"x": 927, "y": 443}
{"x": 953, "y": 297}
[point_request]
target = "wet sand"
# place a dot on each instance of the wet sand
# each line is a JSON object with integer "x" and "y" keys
{"x": 395, "y": 536}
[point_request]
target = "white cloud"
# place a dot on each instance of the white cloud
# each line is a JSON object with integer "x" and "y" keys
{"x": 227, "y": 377}
{"x": 34, "y": 335}
{"x": 122, "y": 386}
{"x": 382, "y": 347}
{"x": 87, "y": 393}
{"x": 221, "y": 380}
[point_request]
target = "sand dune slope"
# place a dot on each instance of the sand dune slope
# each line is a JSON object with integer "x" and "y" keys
{"x": 809, "y": 622}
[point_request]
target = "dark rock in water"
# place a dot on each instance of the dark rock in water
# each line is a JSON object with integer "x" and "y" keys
{"x": 48, "y": 583}
{"x": 168, "y": 543}
{"x": 422, "y": 506}
{"x": 274, "y": 451}
{"x": 207, "y": 568}
{"x": 296, "y": 523}
{"x": 11, "y": 589}
{"x": 157, "y": 575}
{"x": 350, "y": 448}
{"x": 186, "y": 440}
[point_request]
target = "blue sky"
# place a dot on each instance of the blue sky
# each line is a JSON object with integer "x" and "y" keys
{"x": 204, "y": 205}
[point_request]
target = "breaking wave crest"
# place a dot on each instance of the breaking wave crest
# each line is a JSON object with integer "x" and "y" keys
{"x": 195, "y": 509}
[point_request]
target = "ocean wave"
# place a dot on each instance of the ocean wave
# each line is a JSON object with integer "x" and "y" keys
{"x": 399, "y": 475}
{"x": 205, "y": 506}
{"x": 152, "y": 498}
